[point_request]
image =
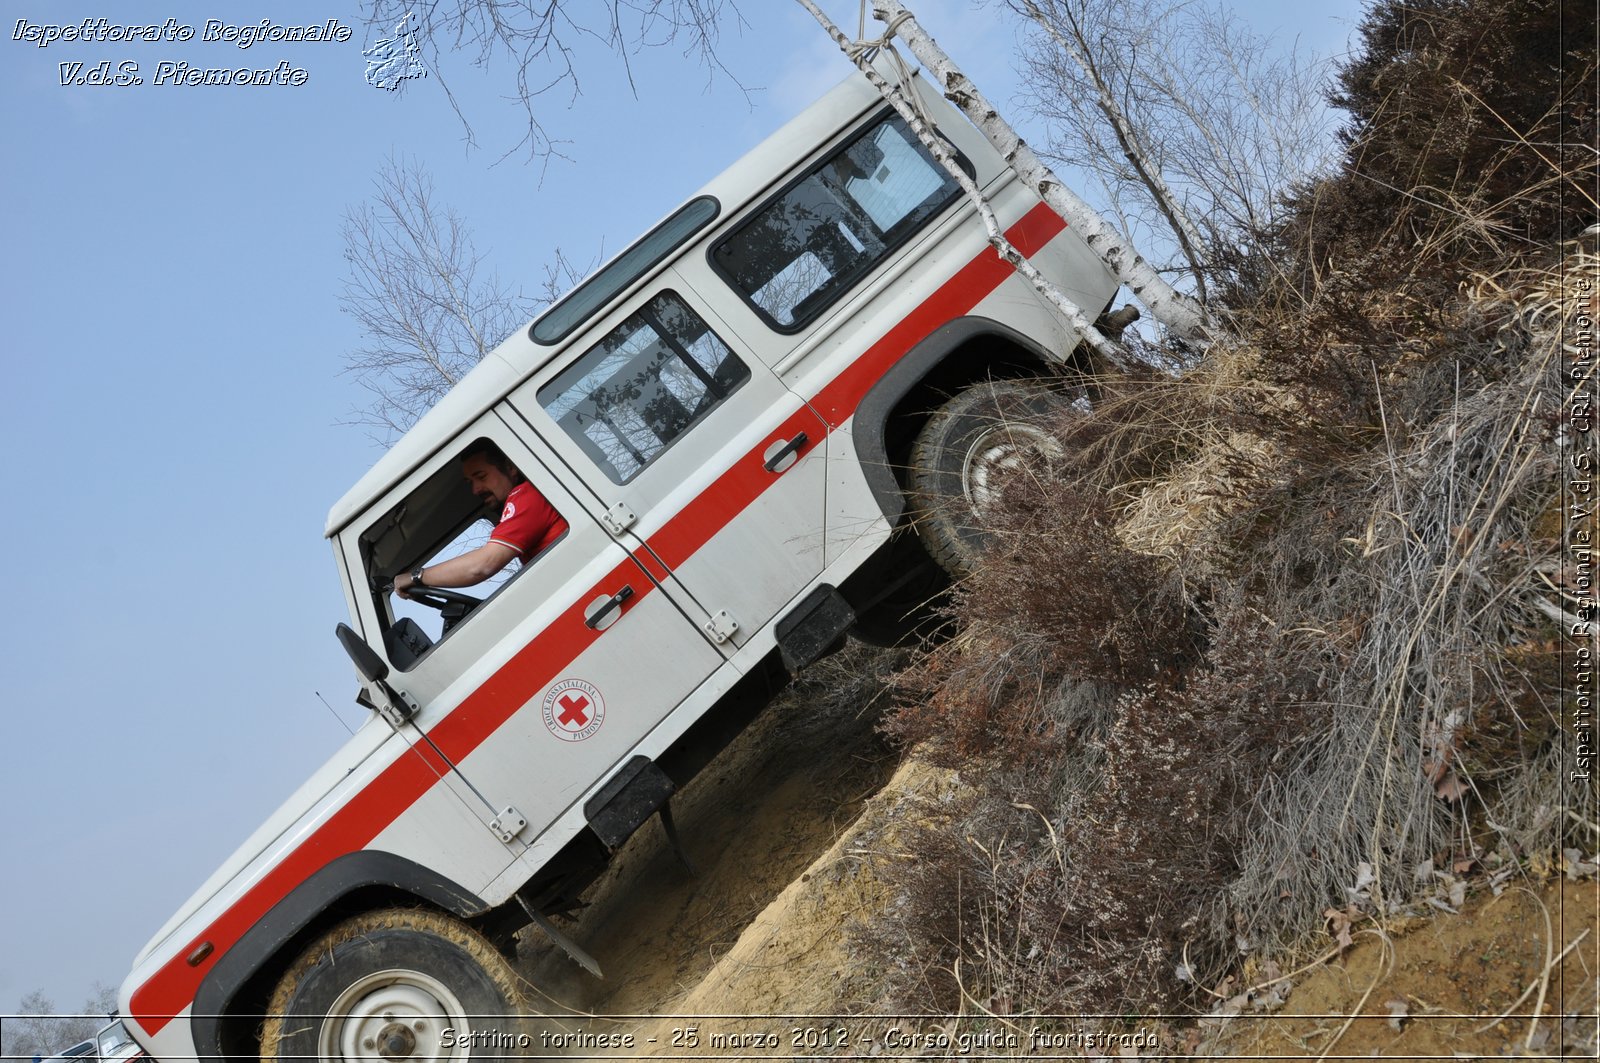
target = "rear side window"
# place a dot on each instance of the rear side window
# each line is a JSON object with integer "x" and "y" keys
{"x": 810, "y": 245}
{"x": 636, "y": 391}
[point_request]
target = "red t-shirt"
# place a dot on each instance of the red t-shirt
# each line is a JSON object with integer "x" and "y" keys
{"x": 528, "y": 523}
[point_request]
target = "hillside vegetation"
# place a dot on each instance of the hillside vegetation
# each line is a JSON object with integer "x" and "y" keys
{"x": 1287, "y": 649}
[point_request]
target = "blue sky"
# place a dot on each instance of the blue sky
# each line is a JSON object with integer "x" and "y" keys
{"x": 171, "y": 273}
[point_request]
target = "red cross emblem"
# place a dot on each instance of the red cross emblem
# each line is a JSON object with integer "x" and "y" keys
{"x": 573, "y": 710}
{"x": 572, "y": 714}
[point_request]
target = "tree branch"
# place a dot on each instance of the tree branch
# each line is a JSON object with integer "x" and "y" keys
{"x": 1178, "y": 312}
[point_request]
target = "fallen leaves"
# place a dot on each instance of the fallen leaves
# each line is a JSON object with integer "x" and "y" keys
{"x": 1339, "y": 921}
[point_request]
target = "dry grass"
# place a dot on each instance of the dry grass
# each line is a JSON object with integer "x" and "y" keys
{"x": 1440, "y": 714}
{"x": 1291, "y": 628}
{"x": 1228, "y": 677}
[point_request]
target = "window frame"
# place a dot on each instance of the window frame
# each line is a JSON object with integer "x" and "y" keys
{"x": 891, "y": 247}
{"x": 383, "y": 604}
{"x": 649, "y": 318}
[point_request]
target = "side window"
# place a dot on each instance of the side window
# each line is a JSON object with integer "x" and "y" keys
{"x": 810, "y": 245}
{"x": 451, "y": 515}
{"x": 636, "y": 391}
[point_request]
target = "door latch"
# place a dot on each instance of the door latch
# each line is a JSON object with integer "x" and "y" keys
{"x": 598, "y": 614}
{"x": 782, "y": 453}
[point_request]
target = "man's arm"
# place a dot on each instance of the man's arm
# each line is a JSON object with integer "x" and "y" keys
{"x": 464, "y": 570}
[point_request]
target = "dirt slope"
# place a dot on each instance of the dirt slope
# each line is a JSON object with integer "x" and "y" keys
{"x": 753, "y": 824}
{"x": 791, "y": 831}
{"x": 1435, "y": 990}
{"x": 792, "y": 975}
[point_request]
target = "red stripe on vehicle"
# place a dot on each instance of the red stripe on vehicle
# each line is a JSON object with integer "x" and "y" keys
{"x": 687, "y": 530}
{"x": 838, "y": 400}
{"x": 370, "y": 811}
{"x": 651, "y": 564}
{"x": 726, "y": 497}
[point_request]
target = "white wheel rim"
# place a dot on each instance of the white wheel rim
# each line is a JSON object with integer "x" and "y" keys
{"x": 998, "y": 452}
{"x": 393, "y": 1016}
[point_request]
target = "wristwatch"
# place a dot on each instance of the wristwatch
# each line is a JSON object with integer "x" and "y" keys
{"x": 416, "y": 577}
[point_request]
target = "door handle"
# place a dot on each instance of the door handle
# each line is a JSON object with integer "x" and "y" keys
{"x": 777, "y": 457}
{"x": 598, "y": 619}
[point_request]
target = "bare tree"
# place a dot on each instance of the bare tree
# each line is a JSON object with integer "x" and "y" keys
{"x": 541, "y": 38}
{"x": 37, "y": 1029}
{"x": 419, "y": 290}
{"x": 1195, "y": 127}
{"x": 1177, "y": 311}
{"x": 541, "y": 41}
{"x": 908, "y": 109}
{"x": 32, "y": 1031}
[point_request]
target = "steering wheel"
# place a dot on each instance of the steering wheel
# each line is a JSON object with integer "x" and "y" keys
{"x": 440, "y": 598}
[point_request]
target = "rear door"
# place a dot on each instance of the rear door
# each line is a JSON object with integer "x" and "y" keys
{"x": 693, "y": 450}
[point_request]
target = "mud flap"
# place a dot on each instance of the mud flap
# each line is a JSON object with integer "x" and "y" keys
{"x": 814, "y": 628}
{"x": 628, "y": 798}
{"x": 632, "y": 795}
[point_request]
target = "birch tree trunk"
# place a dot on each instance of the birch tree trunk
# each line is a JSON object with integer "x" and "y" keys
{"x": 897, "y": 97}
{"x": 1077, "y": 47}
{"x": 1185, "y": 317}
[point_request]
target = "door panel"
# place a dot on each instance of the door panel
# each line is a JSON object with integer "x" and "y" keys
{"x": 532, "y": 698}
{"x": 672, "y": 431}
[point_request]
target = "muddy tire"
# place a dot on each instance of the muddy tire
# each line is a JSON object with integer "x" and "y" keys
{"x": 964, "y": 453}
{"x": 397, "y": 985}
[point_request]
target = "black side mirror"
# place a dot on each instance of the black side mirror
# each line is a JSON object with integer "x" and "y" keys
{"x": 368, "y": 664}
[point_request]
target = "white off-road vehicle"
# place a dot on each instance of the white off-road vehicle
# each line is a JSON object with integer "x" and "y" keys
{"x": 738, "y": 418}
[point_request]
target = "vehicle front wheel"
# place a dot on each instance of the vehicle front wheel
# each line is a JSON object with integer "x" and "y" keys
{"x": 396, "y": 985}
{"x": 963, "y": 455}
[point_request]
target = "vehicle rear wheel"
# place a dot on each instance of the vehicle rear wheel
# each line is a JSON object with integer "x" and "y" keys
{"x": 397, "y": 985}
{"x": 963, "y": 455}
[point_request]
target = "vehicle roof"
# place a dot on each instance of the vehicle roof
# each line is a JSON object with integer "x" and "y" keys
{"x": 518, "y": 357}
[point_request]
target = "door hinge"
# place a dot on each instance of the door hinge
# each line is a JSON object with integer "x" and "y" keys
{"x": 508, "y": 824}
{"x": 393, "y": 705}
{"x": 721, "y": 627}
{"x": 619, "y": 518}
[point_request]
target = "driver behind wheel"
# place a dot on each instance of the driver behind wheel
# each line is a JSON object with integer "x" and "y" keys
{"x": 528, "y": 524}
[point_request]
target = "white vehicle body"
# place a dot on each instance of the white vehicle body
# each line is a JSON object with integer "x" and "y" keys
{"x": 531, "y": 737}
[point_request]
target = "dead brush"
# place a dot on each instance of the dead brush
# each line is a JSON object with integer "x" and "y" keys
{"x": 1060, "y": 598}
{"x": 1289, "y": 627}
{"x": 1375, "y": 684}
{"x": 1470, "y": 145}
{"x": 1070, "y": 883}
{"x": 1434, "y": 606}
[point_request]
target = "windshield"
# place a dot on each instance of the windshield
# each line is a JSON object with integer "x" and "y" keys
{"x": 112, "y": 1039}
